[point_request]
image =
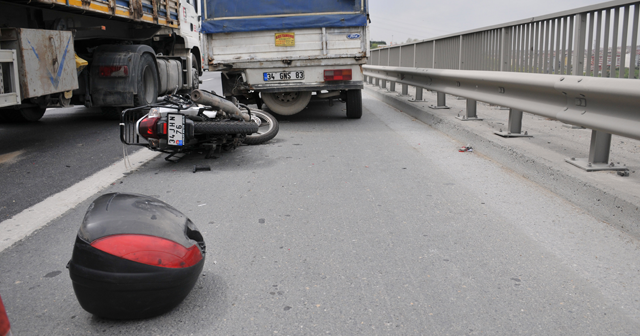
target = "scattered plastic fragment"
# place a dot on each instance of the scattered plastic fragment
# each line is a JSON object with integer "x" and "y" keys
{"x": 201, "y": 168}
{"x": 466, "y": 148}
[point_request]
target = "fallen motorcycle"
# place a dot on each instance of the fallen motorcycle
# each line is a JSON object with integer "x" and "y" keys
{"x": 202, "y": 121}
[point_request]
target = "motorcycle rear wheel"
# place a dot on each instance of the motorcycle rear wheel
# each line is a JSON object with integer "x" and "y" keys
{"x": 225, "y": 127}
{"x": 268, "y": 128}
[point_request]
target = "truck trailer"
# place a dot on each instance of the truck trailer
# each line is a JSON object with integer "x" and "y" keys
{"x": 110, "y": 54}
{"x": 285, "y": 52}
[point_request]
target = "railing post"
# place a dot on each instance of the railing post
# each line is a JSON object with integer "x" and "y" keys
{"x": 579, "y": 40}
{"x": 383, "y": 83}
{"x": 470, "y": 112}
{"x": 441, "y": 101}
{"x": 505, "y": 49}
{"x": 514, "y": 126}
{"x": 392, "y": 86}
{"x": 598, "y": 154}
{"x": 378, "y": 82}
{"x": 405, "y": 90}
{"x": 419, "y": 91}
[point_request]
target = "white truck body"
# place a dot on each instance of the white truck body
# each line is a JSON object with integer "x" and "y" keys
{"x": 283, "y": 66}
{"x": 315, "y": 50}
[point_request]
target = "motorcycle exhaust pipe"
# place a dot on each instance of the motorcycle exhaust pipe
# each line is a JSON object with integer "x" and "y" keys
{"x": 206, "y": 98}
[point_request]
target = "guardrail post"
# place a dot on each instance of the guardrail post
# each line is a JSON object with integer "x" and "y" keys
{"x": 419, "y": 92}
{"x": 378, "y": 82}
{"x": 470, "y": 112}
{"x": 441, "y": 101}
{"x": 392, "y": 86}
{"x": 598, "y": 154}
{"x": 405, "y": 89}
{"x": 383, "y": 84}
{"x": 515, "y": 125}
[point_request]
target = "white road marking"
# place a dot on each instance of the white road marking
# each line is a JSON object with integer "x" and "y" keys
{"x": 206, "y": 80}
{"x": 10, "y": 157}
{"x": 29, "y": 220}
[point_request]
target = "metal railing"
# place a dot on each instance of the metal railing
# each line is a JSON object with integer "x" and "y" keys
{"x": 524, "y": 65}
{"x": 591, "y": 41}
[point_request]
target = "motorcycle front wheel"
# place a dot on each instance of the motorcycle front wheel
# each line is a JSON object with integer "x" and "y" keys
{"x": 267, "y": 130}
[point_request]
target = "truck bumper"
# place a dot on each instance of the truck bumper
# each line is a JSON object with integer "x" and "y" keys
{"x": 289, "y": 87}
{"x": 313, "y": 79}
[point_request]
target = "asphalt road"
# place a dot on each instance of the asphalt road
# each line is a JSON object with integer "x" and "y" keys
{"x": 40, "y": 159}
{"x": 377, "y": 226}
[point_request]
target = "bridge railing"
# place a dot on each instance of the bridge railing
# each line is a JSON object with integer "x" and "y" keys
{"x": 591, "y": 41}
{"x": 523, "y": 65}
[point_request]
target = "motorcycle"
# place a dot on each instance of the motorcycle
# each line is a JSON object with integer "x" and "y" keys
{"x": 180, "y": 124}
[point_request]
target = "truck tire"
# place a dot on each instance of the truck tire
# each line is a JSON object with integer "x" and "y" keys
{"x": 354, "y": 104}
{"x": 225, "y": 127}
{"x": 287, "y": 103}
{"x": 29, "y": 114}
{"x": 266, "y": 131}
{"x": 195, "y": 78}
{"x": 147, "y": 81}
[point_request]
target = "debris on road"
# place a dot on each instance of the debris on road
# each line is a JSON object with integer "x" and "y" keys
{"x": 466, "y": 148}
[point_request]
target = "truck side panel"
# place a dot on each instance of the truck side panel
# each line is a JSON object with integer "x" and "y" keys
{"x": 137, "y": 10}
{"x": 46, "y": 60}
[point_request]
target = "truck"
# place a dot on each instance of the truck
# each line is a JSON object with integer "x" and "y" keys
{"x": 110, "y": 54}
{"x": 283, "y": 53}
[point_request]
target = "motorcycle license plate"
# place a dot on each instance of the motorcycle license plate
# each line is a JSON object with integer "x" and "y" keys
{"x": 283, "y": 76}
{"x": 175, "y": 129}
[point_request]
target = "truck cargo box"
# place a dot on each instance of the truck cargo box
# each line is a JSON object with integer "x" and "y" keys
{"x": 223, "y": 16}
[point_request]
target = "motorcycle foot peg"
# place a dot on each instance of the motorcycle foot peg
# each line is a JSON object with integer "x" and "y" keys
{"x": 201, "y": 168}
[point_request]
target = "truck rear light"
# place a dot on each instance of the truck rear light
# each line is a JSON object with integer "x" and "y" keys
{"x": 149, "y": 250}
{"x": 113, "y": 71}
{"x": 337, "y": 75}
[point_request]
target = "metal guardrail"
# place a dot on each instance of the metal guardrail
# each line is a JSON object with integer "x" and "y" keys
{"x": 527, "y": 65}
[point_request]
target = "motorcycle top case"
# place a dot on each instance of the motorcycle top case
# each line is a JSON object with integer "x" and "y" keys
{"x": 134, "y": 257}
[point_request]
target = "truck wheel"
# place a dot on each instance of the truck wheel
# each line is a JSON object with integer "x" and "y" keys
{"x": 29, "y": 114}
{"x": 195, "y": 78}
{"x": 224, "y": 127}
{"x": 287, "y": 103}
{"x": 147, "y": 82}
{"x": 354, "y": 104}
{"x": 267, "y": 129}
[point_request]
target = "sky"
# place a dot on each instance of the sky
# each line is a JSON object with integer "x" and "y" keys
{"x": 398, "y": 20}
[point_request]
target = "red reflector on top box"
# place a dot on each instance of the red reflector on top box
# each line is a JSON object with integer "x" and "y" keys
{"x": 337, "y": 75}
{"x": 150, "y": 250}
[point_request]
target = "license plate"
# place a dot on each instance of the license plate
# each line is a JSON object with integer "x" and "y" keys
{"x": 175, "y": 129}
{"x": 283, "y": 76}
